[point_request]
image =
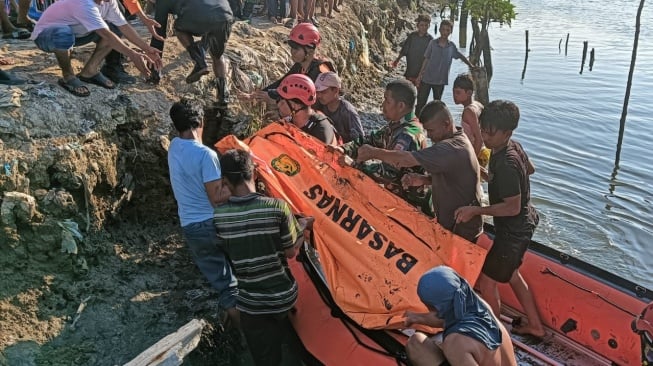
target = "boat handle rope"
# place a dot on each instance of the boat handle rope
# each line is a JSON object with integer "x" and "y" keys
{"x": 548, "y": 270}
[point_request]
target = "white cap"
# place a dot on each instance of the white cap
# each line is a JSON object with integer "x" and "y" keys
{"x": 327, "y": 80}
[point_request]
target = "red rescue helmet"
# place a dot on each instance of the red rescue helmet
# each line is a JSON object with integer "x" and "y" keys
{"x": 305, "y": 34}
{"x": 297, "y": 86}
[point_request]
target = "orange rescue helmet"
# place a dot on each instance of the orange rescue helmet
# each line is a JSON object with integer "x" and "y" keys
{"x": 305, "y": 34}
{"x": 298, "y": 86}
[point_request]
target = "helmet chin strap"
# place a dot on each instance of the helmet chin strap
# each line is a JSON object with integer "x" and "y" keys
{"x": 306, "y": 53}
{"x": 293, "y": 112}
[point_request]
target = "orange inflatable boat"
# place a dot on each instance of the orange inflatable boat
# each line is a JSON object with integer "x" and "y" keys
{"x": 358, "y": 273}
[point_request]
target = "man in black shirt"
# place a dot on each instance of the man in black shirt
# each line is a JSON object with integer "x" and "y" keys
{"x": 413, "y": 48}
{"x": 210, "y": 19}
{"x": 515, "y": 219}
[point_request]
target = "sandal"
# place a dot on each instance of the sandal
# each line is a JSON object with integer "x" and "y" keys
{"x": 291, "y": 23}
{"x": 98, "y": 79}
{"x": 29, "y": 26}
{"x": 18, "y": 33}
{"x": 75, "y": 87}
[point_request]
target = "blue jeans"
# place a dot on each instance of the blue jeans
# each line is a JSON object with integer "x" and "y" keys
{"x": 62, "y": 38}
{"x": 202, "y": 241}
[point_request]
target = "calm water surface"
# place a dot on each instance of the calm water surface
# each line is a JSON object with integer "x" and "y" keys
{"x": 569, "y": 126}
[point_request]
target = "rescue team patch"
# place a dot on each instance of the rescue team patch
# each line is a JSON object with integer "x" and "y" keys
{"x": 286, "y": 165}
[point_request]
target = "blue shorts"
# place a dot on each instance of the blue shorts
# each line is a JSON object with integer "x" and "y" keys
{"x": 202, "y": 241}
{"x": 62, "y": 38}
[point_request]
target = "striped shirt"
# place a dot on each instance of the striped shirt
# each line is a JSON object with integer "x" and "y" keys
{"x": 254, "y": 231}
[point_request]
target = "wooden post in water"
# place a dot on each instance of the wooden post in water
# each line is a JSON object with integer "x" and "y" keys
{"x": 582, "y": 64}
{"x": 482, "y": 85}
{"x": 523, "y": 73}
{"x": 624, "y": 111}
{"x": 462, "y": 27}
{"x": 592, "y": 59}
{"x": 560, "y": 46}
{"x": 566, "y": 44}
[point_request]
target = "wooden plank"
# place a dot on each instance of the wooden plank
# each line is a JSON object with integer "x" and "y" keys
{"x": 171, "y": 350}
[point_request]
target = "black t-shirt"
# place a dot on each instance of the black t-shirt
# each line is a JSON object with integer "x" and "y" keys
{"x": 320, "y": 127}
{"x": 413, "y": 48}
{"x": 508, "y": 173}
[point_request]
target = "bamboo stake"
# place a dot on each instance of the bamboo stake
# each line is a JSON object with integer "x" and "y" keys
{"x": 582, "y": 64}
{"x": 559, "y": 46}
{"x": 566, "y": 44}
{"x": 624, "y": 111}
{"x": 592, "y": 59}
{"x": 523, "y": 73}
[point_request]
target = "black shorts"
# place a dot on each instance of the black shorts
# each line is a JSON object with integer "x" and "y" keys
{"x": 216, "y": 39}
{"x": 505, "y": 256}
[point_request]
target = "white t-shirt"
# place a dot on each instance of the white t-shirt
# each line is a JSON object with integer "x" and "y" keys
{"x": 83, "y": 16}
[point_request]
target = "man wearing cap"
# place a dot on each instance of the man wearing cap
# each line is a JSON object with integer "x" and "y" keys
{"x": 343, "y": 114}
{"x": 471, "y": 334}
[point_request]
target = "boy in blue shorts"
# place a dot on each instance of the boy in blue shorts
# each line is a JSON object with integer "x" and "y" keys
{"x": 515, "y": 218}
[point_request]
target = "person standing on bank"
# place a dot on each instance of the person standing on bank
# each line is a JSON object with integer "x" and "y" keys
{"x": 434, "y": 74}
{"x": 210, "y": 19}
{"x": 413, "y": 48}
{"x": 197, "y": 185}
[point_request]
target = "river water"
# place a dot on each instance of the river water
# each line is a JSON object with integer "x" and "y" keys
{"x": 570, "y": 121}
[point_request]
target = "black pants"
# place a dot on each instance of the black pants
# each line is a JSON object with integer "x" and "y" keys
{"x": 423, "y": 95}
{"x": 236, "y": 8}
{"x": 266, "y": 335}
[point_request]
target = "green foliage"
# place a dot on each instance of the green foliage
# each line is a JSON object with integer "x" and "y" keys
{"x": 487, "y": 11}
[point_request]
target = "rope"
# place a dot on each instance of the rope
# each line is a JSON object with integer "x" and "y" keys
{"x": 548, "y": 270}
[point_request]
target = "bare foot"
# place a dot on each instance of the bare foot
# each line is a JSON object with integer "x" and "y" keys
{"x": 528, "y": 330}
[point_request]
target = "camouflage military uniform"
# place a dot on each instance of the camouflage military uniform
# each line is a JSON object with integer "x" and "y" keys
{"x": 405, "y": 135}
